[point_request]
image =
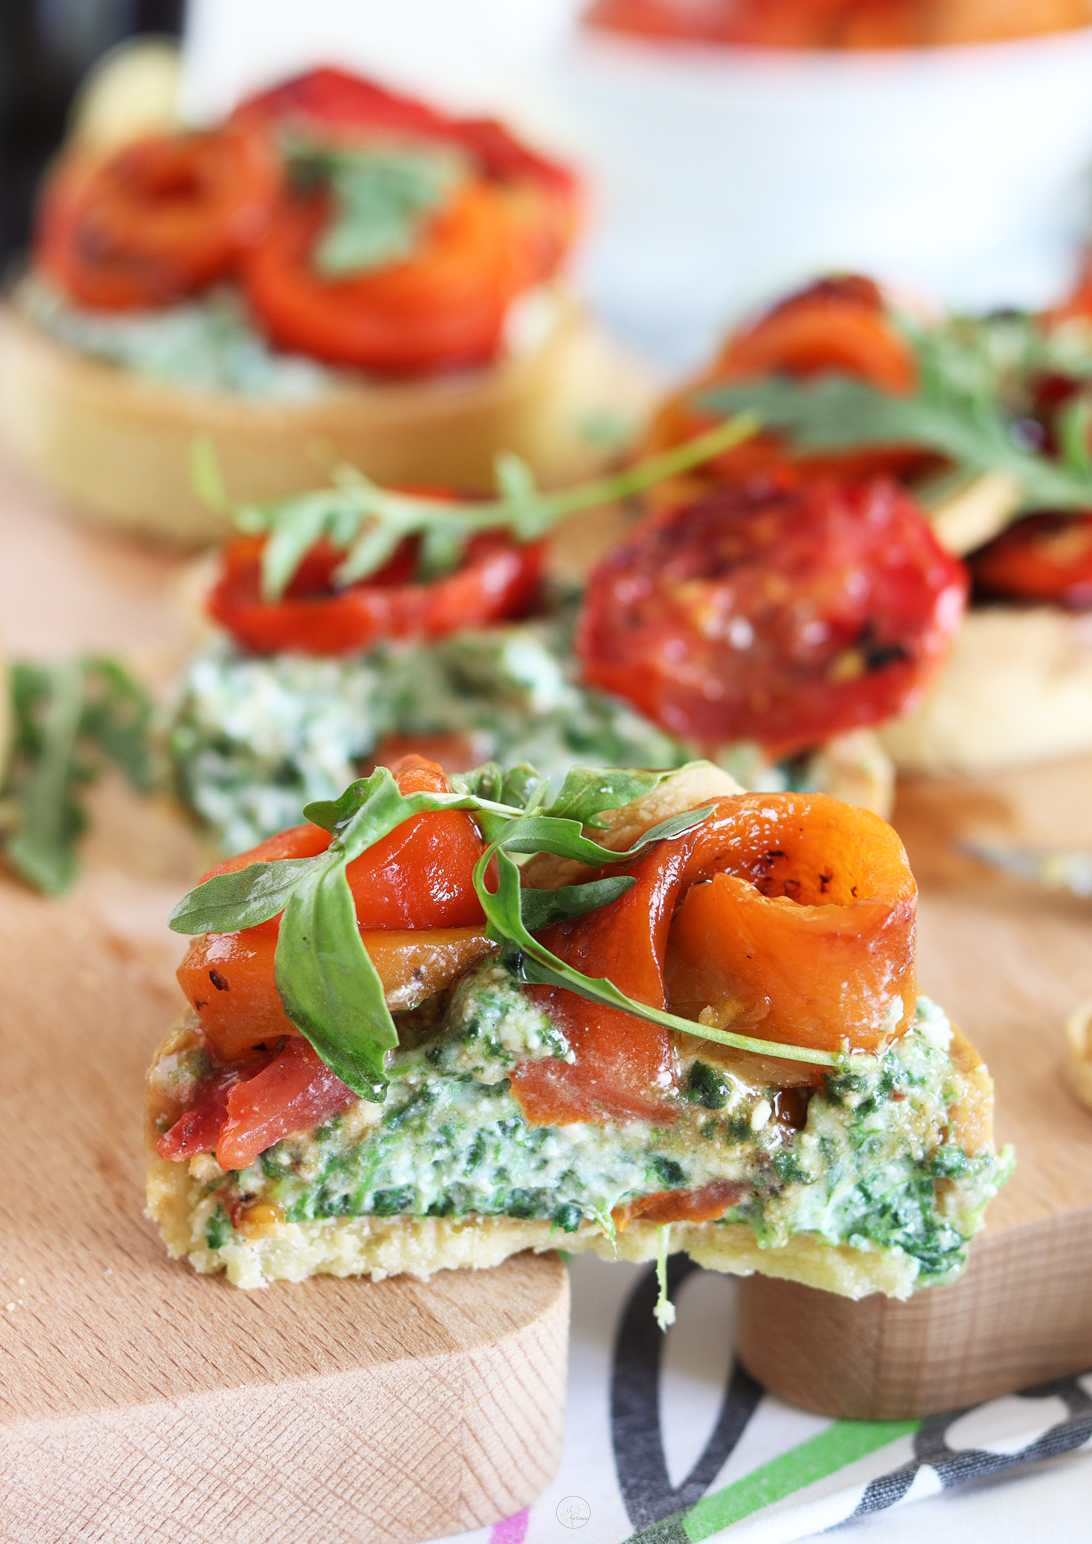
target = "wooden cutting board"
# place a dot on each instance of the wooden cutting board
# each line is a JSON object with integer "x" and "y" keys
{"x": 139, "y": 1401}
{"x": 1009, "y": 962}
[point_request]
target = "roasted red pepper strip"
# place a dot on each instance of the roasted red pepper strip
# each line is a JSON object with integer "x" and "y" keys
{"x": 241, "y": 1112}
{"x": 420, "y": 877}
{"x": 703, "y": 1205}
{"x": 496, "y": 581}
{"x": 328, "y": 99}
{"x": 293, "y": 1093}
{"x": 819, "y": 909}
{"x": 198, "y": 1130}
{"x": 159, "y": 219}
{"x": 1044, "y": 559}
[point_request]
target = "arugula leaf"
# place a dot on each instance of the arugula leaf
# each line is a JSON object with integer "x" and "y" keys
{"x": 513, "y": 786}
{"x": 382, "y": 196}
{"x": 440, "y": 552}
{"x": 228, "y": 903}
{"x": 565, "y": 839}
{"x": 542, "y": 908}
{"x": 530, "y": 961}
{"x": 1074, "y": 423}
{"x": 515, "y": 483}
{"x": 69, "y": 719}
{"x": 323, "y": 974}
{"x": 117, "y": 719}
{"x": 206, "y": 478}
{"x": 289, "y": 543}
{"x": 958, "y": 410}
{"x": 367, "y": 522}
{"x": 588, "y": 791}
{"x": 42, "y": 848}
{"x": 327, "y": 982}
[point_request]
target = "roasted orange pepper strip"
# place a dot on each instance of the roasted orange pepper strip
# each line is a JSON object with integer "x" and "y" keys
{"x": 835, "y": 324}
{"x": 441, "y": 307}
{"x": 418, "y": 879}
{"x": 802, "y": 932}
{"x": 228, "y": 978}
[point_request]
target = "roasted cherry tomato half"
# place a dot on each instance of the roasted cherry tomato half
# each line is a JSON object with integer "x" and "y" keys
{"x": 779, "y": 615}
{"x": 1045, "y": 558}
{"x": 158, "y": 220}
{"x": 496, "y": 581}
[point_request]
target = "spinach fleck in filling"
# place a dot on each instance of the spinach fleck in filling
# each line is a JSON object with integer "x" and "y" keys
{"x": 872, "y": 1164}
{"x": 255, "y": 739}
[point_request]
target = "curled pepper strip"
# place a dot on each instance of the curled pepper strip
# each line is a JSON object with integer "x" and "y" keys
{"x": 158, "y": 220}
{"x": 498, "y": 579}
{"x": 441, "y": 308}
{"x": 837, "y": 324}
{"x": 796, "y": 923}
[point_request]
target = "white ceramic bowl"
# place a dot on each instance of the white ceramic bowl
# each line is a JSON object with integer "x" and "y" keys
{"x": 726, "y": 174}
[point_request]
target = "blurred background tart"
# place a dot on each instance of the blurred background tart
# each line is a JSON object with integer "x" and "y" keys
{"x": 332, "y": 273}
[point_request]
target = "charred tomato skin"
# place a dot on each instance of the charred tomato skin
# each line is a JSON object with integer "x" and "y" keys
{"x": 774, "y": 612}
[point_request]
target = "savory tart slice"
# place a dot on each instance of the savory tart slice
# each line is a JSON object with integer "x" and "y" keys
{"x": 986, "y": 420}
{"x": 438, "y": 1025}
{"x": 772, "y": 626}
{"x": 335, "y": 270}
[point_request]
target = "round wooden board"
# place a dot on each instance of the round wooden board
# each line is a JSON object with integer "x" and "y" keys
{"x": 1009, "y": 962}
{"x": 139, "y": 1401}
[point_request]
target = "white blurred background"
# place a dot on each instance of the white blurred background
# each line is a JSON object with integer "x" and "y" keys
{"x": 720, "y": 175}
{"x": 717, "y": 175}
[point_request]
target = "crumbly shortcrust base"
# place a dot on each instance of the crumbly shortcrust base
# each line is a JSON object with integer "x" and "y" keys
{"x": 392, "y": 1246}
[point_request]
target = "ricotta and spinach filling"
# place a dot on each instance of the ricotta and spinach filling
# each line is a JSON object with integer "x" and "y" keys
{"x": 255, "y": 738}
{"x": 869, "y": 1160}
{"x": 210, "y": 343}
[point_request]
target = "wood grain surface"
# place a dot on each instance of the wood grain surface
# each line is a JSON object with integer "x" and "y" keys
{"x": 1009, "y": 962}
{"x": 139, "y": 1401}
